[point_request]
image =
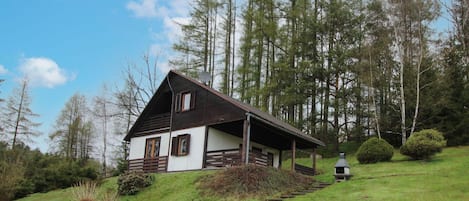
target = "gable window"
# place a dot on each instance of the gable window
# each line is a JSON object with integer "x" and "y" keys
{"x": 180, "y": 145}
{"x": 185, "y": 101}
{"x": 152, "y": 147}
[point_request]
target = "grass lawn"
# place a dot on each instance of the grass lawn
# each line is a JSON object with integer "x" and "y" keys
{"x": 445, "y": 177}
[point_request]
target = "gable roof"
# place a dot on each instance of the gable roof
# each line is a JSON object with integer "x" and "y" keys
{"x": 256, "y": 113}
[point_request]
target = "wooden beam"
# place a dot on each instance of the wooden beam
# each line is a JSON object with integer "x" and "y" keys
{"x": 279, "y": 159}
{"x": 314, "y": 159}
{"x": 245, "y": 142}
{"x": 204, "y": 160}
{"x": 293, "y": 154}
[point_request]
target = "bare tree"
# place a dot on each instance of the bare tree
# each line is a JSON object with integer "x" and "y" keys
{"x": 102, "y": 110}
{"x": 18, "y": 114}
{"x": 74, "y": 130}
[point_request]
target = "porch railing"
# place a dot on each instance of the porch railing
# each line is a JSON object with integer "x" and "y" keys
{"x": 232, "y": 157}
{"x": 304, "y": 169}
{"x": 159, "y": 121}
{"x": 147, "y": 165}
{"x": 223, "y": 158}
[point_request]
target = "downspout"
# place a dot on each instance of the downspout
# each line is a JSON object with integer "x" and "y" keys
{"x": 248, "y": 119}
{"x": 170, "y": 116}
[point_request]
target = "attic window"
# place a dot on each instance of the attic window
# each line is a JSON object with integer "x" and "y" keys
{"x": 180, "y": 145}
{"x": 185, "y": 101}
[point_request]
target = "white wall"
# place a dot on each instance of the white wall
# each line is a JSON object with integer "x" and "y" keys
{"x": 194, "y": 159}
{"x": 219, "y": 140}
{"x": 137, "y": 145}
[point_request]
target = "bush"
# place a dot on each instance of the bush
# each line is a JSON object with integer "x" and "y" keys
{"x": 131, "y": 183}
{"x": 374, "y": 150}
{"x": 424, "y": 144}
{"x": 252, "y": 181}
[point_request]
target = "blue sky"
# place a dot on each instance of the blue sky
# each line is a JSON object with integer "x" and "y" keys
{"x": 65, "y": 47}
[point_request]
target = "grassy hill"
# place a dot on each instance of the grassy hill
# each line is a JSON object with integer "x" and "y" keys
{"x": 445, "y": 177}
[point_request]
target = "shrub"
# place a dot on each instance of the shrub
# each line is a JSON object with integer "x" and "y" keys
{"x": 424, "y": 144}
{"x": 251, "y": 180}
{"x": 132, "y": 182}
{"x": 374, "y": 150}
{"x": 84, "y": 191}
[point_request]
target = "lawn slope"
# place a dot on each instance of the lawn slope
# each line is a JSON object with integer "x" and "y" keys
{"x": 445, "y": 177}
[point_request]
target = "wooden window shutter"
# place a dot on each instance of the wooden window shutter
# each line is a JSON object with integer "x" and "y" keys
{"x": 193, "y": 100}
{"x": 174, "y": 146}
{"x": 177, "y": 103}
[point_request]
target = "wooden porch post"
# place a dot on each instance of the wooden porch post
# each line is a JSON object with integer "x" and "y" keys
{"x": 314, "y": 160}
{"x": 293, "y": 154}
{"x": 246, "y": 138}
{"x": 280, "y": 159}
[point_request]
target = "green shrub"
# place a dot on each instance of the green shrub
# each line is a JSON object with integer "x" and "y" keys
{"x": 131, "y": 183}
{"x": 374, "y": 150}
{"x": 252, "y": 181}
{"x": 424, "y": 144}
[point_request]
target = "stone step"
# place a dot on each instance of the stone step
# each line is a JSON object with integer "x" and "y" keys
{"x": 287, "y": 196}
{"x": 297, "y": 193}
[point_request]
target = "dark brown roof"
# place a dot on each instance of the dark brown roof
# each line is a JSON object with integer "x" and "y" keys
{"x": 256, "y": 112}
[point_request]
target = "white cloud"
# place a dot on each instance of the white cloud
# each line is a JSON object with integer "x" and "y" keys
{"x": 3, "y": 70}
{"x": 43, "y": 72}
{"x": 143, "y": 9}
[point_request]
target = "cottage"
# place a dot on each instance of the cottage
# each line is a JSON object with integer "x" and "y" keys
{"x": 190, "y": 126}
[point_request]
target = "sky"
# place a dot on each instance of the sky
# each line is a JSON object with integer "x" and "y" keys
{"x": 65, "y": 47}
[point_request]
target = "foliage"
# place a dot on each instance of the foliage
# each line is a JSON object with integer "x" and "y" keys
{"x": 74, "y": 129}
{"x": 375, "y": 150}
{"x": 11, "y": 173}
{"x": 18, "y": 116}
{"x": 84, "y": 191}
{"x": 445, "y": 179}
{"x": 131, "y": 183}
{"x": 122, "y": 165}
{"x": 424, "y": 144}
{"x": 26, "y": 171}
{"x": 89, "y": 191}
{"x": 252, "y": 181}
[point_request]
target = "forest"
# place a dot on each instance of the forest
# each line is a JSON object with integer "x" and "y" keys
{"x": 341, "y": 71}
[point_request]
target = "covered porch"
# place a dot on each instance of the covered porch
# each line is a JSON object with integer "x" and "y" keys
{"x": 257, "y": 130}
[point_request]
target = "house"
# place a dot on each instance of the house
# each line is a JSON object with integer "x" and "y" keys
{"x": 190, "y": 126}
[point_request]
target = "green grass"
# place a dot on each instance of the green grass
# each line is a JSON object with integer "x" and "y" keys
{"x": 445, "y": 177}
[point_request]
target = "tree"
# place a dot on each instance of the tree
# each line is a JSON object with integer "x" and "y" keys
{"x": 1, "y": 101}
{"x": 103, "y": 112}
{"x": 18, "y": 114}
{"x": 411, "y": 35}
{"x": 74, "y": 130}
{"x": 198, "y": 43}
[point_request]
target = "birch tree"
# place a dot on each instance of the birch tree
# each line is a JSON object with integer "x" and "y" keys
{"x": 102, "y": 110}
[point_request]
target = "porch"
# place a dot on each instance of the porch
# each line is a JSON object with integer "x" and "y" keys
{"x": 232, "y": 157}
{"x": 149, "y": 165}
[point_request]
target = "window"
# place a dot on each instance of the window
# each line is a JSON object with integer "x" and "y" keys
{"x": 185, "y": 101}
{"x": 152, "y": 147}
{"x": 180, "y": 145}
